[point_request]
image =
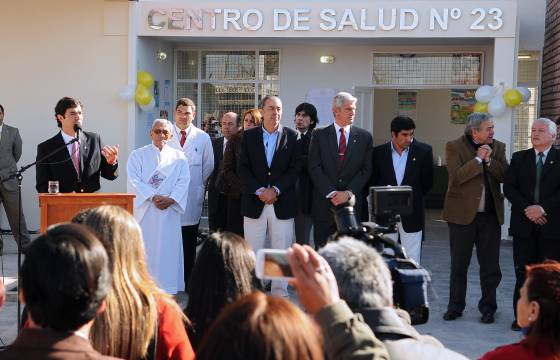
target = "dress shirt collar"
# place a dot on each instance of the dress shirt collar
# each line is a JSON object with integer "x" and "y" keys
{"x": 395, "y": 150}
{"x": 545, "y": 152}
{"x": 346, "y": 129}
{"x": 66, "y": 137}
{"x": 277, "y": 131}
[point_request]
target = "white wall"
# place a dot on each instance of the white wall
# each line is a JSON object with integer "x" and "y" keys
{"x": 52, "y": 49}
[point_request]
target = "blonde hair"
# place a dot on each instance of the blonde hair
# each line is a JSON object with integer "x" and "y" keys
{"x": 255, "y": 114}
{"x": 129, "y": 321}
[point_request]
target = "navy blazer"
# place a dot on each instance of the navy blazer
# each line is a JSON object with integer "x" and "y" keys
{"x": 254, "y": 172}
{"x": 419, "y": 174}
{"x": 59, "y": 166}
{"x": 519, "y": 188}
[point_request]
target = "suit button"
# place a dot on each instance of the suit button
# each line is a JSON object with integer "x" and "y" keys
{"x": 339, "y": 180}
{"x": 82, "y": 190}
{"x": 268, "y": 173}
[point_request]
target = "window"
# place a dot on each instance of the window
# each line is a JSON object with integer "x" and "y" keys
{"x": 525, "y": 113}
{"x": 437, "y": 69}
{"x": 221, "y": 81}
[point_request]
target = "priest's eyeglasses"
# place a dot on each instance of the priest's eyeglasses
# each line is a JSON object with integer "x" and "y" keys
{"x": 159, "y": 132}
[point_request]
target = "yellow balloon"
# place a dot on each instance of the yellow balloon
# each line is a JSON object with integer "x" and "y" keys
{"x": 145, "y": 78}
{"x": 480, "y": 107}
{"x": 512, "y": 97}
{"x": 142, "y": 95}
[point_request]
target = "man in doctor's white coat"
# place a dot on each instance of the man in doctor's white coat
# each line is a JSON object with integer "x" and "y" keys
{"x": 197, "y": 147}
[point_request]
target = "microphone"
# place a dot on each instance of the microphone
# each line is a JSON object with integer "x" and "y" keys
{"x": 77, "y": 129}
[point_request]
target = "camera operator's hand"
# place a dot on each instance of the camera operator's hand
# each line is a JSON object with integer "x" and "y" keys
{"x": 314, "y": 280}
{"x": 340, "y": 197}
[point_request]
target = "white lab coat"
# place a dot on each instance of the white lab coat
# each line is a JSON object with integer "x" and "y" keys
{"x": 199, "y": 153}
{"x": 151, "y": 172}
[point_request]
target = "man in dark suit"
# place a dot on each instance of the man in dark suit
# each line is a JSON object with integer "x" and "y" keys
{"x": 339, "y": 164}
{"x": 10, "y": 152}
{"x": 305, "y": 121}
{"x": 532, "y": 185}
{"x": 268, "y": 169}
{"x": 68, "y": 257}
{"x": 406, "y": 161}
{"x": 78, "y": 167}
{"x": 474, "y": 211}
{"x": 217, "y": 201}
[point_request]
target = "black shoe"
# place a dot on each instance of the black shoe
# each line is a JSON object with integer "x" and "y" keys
{"x": 487, "y": 318}
{"x": 515, "y": 326}
{"x": 452, "y": 315}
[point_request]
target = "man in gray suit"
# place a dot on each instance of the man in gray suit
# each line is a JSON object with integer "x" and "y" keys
{"x": 10, "y": 152}
{"x": 339, "y": 164}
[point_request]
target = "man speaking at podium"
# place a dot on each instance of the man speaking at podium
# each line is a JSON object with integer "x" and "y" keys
{"x": 78, "y": 167}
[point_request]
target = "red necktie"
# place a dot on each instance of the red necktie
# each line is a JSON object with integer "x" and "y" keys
{"x": 183, "y": 137}
{"x": 341, "y": 145}
{"x": 76, "y": 157}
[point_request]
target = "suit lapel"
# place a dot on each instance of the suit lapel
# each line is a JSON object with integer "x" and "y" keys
{"x": 388, "y": 160}
{"x": 4, "y": 135}
{"x": 550, "y": 160}
{"x": 532, "y": 166}
{"x": 83, "y": 151}
{"x": 260, "y": 146}
{"x": 351, "y": 143}
{"x": 410, "y": 163}
{"x": 280, "y": 142}
{"x": 221, "y": 149}
{"x": 332, "y": 142}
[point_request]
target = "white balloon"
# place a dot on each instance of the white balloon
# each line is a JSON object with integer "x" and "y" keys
{"x": 127, "y": 93}
{"x": 497, "y": 106}
{"x": 525, "y": 93}
{"x": 151, "y": 105}
{"x": 485, "y": 93}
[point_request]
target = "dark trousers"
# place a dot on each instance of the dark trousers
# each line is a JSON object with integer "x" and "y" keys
{"x": 302, "y": 225}
{"x": 322, "y": 230}
{"x": 10, "y": 200}
{"x": 484, "y": 232}
{"x": 189, "y": 234}
{"x": 217, "y": 217}
{"x": 530, "y": 250}
{"x": 234, "y": 217}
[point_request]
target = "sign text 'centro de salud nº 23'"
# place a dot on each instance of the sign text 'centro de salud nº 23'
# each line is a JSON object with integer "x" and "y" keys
{"x": 362, "y": 19}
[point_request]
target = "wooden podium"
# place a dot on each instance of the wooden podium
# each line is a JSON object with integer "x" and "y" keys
{"x": 56, "y": 208}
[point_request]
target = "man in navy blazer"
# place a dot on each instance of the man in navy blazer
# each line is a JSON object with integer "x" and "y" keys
{"x": 268, "y": 169}
{"x": 77, "y": 168}
{"x": 405, "y": 161}
{"x": 339, "y": 165}
{"x": 532, "y": 185}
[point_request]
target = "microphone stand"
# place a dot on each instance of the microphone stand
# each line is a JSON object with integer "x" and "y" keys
{"x": 18, "y": 174}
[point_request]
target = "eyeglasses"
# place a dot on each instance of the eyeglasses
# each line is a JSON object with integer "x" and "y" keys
{"x": 159, "y": 132}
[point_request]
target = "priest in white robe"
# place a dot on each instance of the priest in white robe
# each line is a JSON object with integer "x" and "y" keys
{"x": 159, "y": 176}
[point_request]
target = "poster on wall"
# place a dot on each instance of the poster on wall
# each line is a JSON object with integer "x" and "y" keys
{"x": 407, "y": 104}
{"x": 462, "y": 103}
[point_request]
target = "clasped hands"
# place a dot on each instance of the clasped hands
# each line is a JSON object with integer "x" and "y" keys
{"x": 484, "y": 152}
{"x": 340, "y": 197}
{"x": 268, "y": 196}
{"x": 162, "y": 202}
{"x": 535, "y": 213}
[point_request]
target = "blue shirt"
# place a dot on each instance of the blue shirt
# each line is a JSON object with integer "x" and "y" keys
{"x": 269, "y": 141}
{"x": 399, "y": 162}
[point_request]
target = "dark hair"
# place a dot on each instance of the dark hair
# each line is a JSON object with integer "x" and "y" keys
{"x": 1, "y": 108}
{"x": 309, "y": 110}
{"x": 65, "y": 277}
{"x": 262, "y": 327}
{"x": 401, "y": 123}
{"x": 543, "y": 286}
{"x": 185, "y": 102}
{"x": 224, "y": 271}
{"x": 64, "y": 104}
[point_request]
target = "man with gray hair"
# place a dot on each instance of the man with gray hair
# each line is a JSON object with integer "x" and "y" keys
{"x": 364, "y": 282}
{"x": 474, "y": 211}
{"x": 532, "y": 185}
{"x": 339, "y": 164}
{"x": 159, "y": 176}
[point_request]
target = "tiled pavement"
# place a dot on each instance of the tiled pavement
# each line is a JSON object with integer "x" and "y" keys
{"x": 465, "y": 335}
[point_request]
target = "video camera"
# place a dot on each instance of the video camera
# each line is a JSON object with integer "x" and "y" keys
{"x": 386, "y": 205}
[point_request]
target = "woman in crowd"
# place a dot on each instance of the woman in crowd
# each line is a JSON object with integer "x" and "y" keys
{"x": 262, "y": 327}
{"x": 224, "y": 271}
{"x": 538, "y": 314}
{"x": 231, "y": 185}
{"x": 140, "y": 321}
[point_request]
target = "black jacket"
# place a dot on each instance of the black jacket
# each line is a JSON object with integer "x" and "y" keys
{"x": 59, "y": 165}
{"x": 255, "y": 173}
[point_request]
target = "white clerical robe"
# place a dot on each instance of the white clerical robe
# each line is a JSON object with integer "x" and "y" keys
{"x": 166, "y": 172}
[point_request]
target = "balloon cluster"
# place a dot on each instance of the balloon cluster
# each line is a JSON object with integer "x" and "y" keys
{"x": 143, "y": 93}
{"x": 495, "y": 100}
